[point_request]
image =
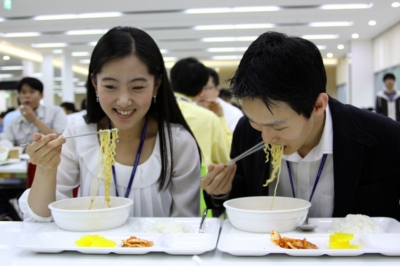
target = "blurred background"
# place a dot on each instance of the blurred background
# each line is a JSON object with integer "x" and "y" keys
{"x": 53, "y": 40}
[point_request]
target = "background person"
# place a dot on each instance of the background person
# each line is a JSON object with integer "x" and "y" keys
{"x": 128, "y": 89}
{"x": 388, "y": 100}
{"x": 68, "y": 107}
{"x": 349, "y": 155}
{"x": 34, "y": 117}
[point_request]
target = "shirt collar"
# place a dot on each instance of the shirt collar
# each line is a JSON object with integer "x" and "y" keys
{"x": 182, "y": 97}
{"x": 325, "y": 145}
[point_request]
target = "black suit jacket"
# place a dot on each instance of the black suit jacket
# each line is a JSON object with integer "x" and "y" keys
{"x": 366, "y": 157}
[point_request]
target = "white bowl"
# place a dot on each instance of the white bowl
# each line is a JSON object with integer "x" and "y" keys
{"x": 254, "y": 214}
{"x": 4, "y": 153}
{"x": 73, "y": 214}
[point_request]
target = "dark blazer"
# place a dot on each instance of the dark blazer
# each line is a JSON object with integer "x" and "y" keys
{"x": 366, "y": 157}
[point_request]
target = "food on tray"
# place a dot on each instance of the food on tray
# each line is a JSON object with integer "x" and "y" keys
{"x": 355, "y": 224}
{"x": 169, "y": 227}
{"x": 95, "y": 241}
{"x": 105, "y": 162}
{"x": 291, "y": 243}
{"x": 134, "y": 242}
{"x": 276, "y": 154}
{"x": 341, "y": 241}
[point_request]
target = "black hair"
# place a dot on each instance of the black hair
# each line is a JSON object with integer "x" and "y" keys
{"x": 118, "y": 43}
{"x": 214, "y": 75}
{"x": 278, "y": 68}
{"x": 69, "y": 106}
{"x": 83, "y": 104}
{"x": 189, "y": 76}
{"x": 32, "y": 82}
{"x": 388, "y": 76}
{"x": 225, "y": 93}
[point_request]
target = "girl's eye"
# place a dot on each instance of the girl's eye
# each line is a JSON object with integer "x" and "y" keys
{"x": 138, "y": 87}
{"x": 110, "y": 87}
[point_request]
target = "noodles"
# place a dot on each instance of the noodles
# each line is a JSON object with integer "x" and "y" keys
{"x": 106, "y": 160}
{"x": 276, "y": 154}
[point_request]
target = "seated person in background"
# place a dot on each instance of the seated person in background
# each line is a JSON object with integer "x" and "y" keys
{"x": 69, "y": 108}
{"x": 342, "y": 159}
{"x": 226, "y": 95}
{"x": 127, "y": 89}
{"x": 209, "y": 98}
{"x": 188, "y": 78}
{"x": 34, "y": 118}
{"x": 388, "y": 100}
{"x": 2, "y": 115}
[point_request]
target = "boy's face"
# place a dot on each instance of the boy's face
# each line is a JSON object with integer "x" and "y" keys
{"x": 29, "y": 96}
{"x": 282, "y": 127}
{"x": 210, "y": 93}
{"x": 389, "y": 83}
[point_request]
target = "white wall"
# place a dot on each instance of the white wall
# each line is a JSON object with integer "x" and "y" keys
{"x": 386, "y": 49}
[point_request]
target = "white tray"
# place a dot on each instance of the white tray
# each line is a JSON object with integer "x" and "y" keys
{"x": 52, "y": 239}
{"x": 240, "y": 243}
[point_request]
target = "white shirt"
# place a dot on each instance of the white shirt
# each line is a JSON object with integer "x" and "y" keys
{"x": 79, "y": 161}
{"x": 231, "y": 113}
{"x": 304, "y": 173}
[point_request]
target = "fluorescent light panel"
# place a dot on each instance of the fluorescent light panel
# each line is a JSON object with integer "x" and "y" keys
{"x": 226, "y": 49}
{"x": 170, "y": 58}
{"x": 19, "y": 34}
{"x": 231, "y": 9}
{"x": 6, "y": 75}
{"x": 7, "y": 68}
{"x": 227, "y": 57}
{"x": 79, "y": 16}
{"x": 85, "y": 32}
{"x": 230, "y": 39}
{"x": 234, "y": 27}
{"x": 80, "y": 54}
{"x": 347, "y": 6}
{"x": 331, "y": 24}
{"x": 320, "y": 37}
{"x": 48, "y": 45}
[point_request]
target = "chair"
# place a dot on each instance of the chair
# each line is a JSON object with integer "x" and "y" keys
{"x": 31, "y": 175}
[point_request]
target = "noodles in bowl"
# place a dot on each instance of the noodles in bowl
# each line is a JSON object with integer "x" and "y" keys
{"x": 254, "y": 214}
{"x": 73, "y": 214}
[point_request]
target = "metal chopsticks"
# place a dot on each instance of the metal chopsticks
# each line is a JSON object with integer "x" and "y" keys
{"x": 81, "y": 135}
{"x": 257, "y": 147}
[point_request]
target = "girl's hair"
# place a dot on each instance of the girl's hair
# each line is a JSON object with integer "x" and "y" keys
{"x": 120, "y": 42}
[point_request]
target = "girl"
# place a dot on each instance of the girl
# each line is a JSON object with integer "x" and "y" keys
{"x": 128, "y": 89}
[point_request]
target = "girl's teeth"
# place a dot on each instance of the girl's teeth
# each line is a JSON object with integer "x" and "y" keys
{"x": 124, "y": 112}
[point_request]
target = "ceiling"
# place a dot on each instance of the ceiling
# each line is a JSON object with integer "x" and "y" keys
{"x": 174, "y": 31}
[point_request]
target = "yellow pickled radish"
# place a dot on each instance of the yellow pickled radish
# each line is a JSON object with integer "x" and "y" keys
{"x": 94, "y": 241}
{"x": 341, "y": 241}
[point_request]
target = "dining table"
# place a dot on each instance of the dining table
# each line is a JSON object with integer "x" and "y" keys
{"x": 12, "y": 233}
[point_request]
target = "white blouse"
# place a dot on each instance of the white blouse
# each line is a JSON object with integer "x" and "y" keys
{"x": 79, "y": 162}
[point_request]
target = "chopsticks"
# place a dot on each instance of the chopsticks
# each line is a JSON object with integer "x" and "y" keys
{"x": 81, "y": 135}
{"x": 257, "y": 147}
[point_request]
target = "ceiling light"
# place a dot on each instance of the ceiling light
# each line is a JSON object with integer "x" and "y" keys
{"x": 347, "y": 6}
{"x": 57, "y": 51}
{"x": 163, "y": 51}
{"x": 320, "y": 37}
{"x": 166, "y": 59}
{"x": 85, "y": 32}
{"x": 231, "y": 9}
{"x": 227, "y": 49}
{"x": 79, "y": 16}
{"x": 20, "y": 53}
{"x": 227, "y": 57}
{"x": 19, "y": 34}
{"x": 2, "y": 19}
{"x": 6, "y": 57}
{"x": 329, "y": 55}
{"x": 395, "y": 4}
{"x": 321, "y": 47}
{"x": 355, "y": 35}
{"x": 230, "y": 39}
{"x": 340, "y": 46}
{"x": 92, "y": 43}
{"x": 81, "y": 83}
{"x": 6, "y": 75}
{"x": 234, "y": 27}
{"x": 48, "y": 45}
{"x": 372, "y": 22}
{"x": 37, "y": 75}
{"x": 80, "y": 53}
{"x": 8, "y": 68}
{"x": 331, "y": 24}
{"x": 84, "y": 61}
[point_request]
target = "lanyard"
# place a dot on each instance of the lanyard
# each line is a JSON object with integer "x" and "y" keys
{"x": 321, "y": 167}
{"x": 128, "y": 190}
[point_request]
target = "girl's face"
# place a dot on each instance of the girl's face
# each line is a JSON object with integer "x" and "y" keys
{"x": 125, "y": 90}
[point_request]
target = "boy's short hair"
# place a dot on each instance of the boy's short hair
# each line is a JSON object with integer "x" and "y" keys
{"x": 388, "y": 76}
{"x": 32, "y": 82}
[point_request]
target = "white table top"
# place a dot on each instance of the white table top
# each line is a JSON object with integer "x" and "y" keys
{"x": 15, "y": 168}
{"x": 13, "y": 232}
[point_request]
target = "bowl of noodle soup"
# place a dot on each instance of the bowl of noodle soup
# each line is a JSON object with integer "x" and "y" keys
{"x": 263, "y": 214}
{"x": 74, "y": 214}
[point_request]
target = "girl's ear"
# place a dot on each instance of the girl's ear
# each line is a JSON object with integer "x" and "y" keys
{"x": 157, "y": 84}
{"x": 94, "y": 81}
